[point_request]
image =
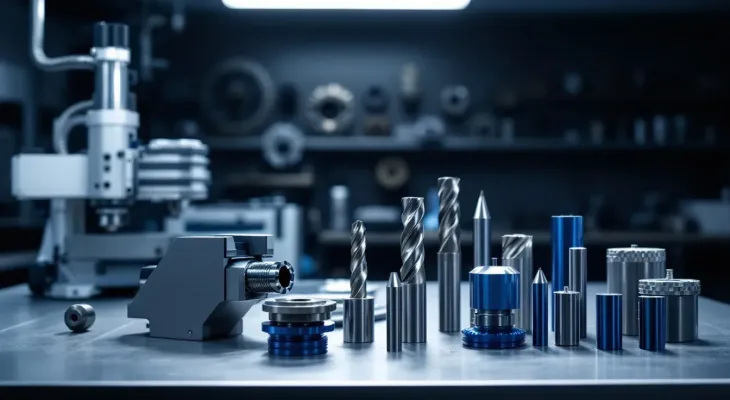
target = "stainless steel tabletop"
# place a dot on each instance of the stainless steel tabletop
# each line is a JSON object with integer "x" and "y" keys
{"x": 37, "y": 349}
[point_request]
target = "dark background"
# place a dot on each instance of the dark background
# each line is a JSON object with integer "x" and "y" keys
{"x": 634, "y": 59}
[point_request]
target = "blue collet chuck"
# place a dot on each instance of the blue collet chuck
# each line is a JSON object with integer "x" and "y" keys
{"x": 494, "y": 297}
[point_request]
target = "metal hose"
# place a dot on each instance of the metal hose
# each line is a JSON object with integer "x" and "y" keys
{"x": 63, "y": 63}
{"x": 65, "y": 122}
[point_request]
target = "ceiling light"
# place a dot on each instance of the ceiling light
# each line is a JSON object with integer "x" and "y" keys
{"x": 348, "y": 4}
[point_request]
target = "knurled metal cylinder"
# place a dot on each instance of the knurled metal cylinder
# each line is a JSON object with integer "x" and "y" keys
{"x": 414, "y": 313}
{"x": 566, "y": 232}
{"x": 578, "y": 275}
{"x": 608, "y": 321}
{"x": 625, "y": 266}
{"x": 393, "y": 304}
{"x": 540, "y": 292}
{"x": 358, "y": 320}
{"x": 652, "y": 323}
{"x": 269, "y": 277}
{"x": 682, "y": 307}
{"x": 449, "y": 278}
{"x": 567, "y": 317}
{"x": 517, "y": 253}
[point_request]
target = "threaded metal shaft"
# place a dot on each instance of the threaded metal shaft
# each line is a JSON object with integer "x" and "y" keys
{"x": 269, "y": 277}
{"x": 358, "y": 263}
{"x": 411, "y": 241}
{"x": 449, "y": 228}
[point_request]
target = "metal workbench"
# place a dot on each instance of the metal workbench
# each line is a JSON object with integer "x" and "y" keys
{"x": 116, "y": 357}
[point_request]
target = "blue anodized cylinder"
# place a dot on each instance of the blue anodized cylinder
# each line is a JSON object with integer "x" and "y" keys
{"x": 652, "y": 322}
{"x": 540, "y": 314}
{"x": 608, "y": 321}
{"x": 492, "y": 289}
{"x": 566, "y": 232}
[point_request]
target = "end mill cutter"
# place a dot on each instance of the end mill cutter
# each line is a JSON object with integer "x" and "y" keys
{"x": 359, "y": 309}
{"x": 393, "y": 300}
{"x": 482, "y": 232}
{"x": 517, "y": 253}
{"x": 412, "y": 273}
{"x": 449, "y": 256}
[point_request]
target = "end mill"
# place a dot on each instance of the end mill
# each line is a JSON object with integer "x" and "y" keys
{"x": 359, "y": 309}
{"x": 517, "y": 253}
{"x": 482, "y": 233}
{"x": 412, "y": 272}
{"x": 449, "y": 255}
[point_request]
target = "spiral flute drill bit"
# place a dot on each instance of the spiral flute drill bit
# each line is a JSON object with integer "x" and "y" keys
{"x": 358, "y": 264}
{"x": 359, "y": 309}
{"x": 412, "y": 272}
{"x": 517, "y": 253}
{"x": 449, "y": 256}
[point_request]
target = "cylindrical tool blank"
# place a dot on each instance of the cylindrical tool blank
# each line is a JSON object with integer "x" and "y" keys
{"x": 449, "y": 278}
{"x": 567, "y": 317}
{"x": 517, "y": 253}
{"x": 539, "y": 314}
{"x": 624, "y": 268}
{"x": 608, "y": 321}
{"x": 578, "y": 274}
{"x": 566, "y": 232}
{"x": 414, "y": 313}
{"x": 393, "y": 305}
{"x": 358, "y": 320}
{"x": 682, "y": 319}
{"x": 652, "y": 323}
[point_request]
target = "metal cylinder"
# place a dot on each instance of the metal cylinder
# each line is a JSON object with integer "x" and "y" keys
{"x": 393, "y": 304}
{"x": 625, "y": 266}
{"x": 79, "y": 317}
{"x": 608, "y": 321}
{"x": 566, "y": 232}
{"x": 414, "y": 313}
{"x": 358, "y": 320}
{"x": 578, "y": 275}
{"x": 269, "y": 277}
{"x": 517, "y": 253}
{"x": 652, "y": 323}
{"x": 112, "y": 86}
{"x": 567, "y": 317}
{"x": 682, "y": 309}
{"x": 449, "y": 278}
{"x": 540, "y": 310}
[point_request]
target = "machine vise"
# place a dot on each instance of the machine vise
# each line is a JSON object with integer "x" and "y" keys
{"x": 204, "y": 285}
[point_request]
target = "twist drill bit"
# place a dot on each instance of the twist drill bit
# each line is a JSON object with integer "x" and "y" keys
{"x": 449, "y": 256}
{"x": 411, "y": 241}
{"x": 358, "y": 264}
{"x": 517, "y": 253}
{"x": 359, "y": 310}
{"x": 482, "y": 233}
{"x": 412, "y": 272}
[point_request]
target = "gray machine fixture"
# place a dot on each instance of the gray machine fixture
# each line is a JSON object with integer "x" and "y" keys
{"x": 625, "y": 266}
{"x": 517, "y": 253}
{"x": 682, "y": 309}
{"x": 204, "y": 285}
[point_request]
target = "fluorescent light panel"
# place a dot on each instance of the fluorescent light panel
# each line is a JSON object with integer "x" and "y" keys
{"x": 348, "y": 4}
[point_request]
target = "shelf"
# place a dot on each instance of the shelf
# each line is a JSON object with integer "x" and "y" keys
{"x": 335, "y": 238}
{"x": 449, "y": 143}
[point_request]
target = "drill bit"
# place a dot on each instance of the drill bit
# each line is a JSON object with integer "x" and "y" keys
{"x": 358, "y": 263}
{"x": 411, "y": 241}
{"x": 412, "y": 273}
{"x": 482, "y": 233}
{"x": 449, "y": 256}
{"x": 449, "y": 230}
{"x": 517, "y": 253}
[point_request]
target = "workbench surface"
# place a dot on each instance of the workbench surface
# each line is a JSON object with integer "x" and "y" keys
{"x": 37, "y": 349}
